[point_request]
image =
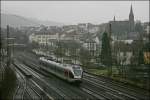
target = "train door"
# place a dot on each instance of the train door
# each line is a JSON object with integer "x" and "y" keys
{"x": 66, "y": 74}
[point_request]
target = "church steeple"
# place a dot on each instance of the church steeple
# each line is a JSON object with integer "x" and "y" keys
{"x": 131, "y": 11}
{"x": 131, "y": 15}
{"x": 131, "y": 19}
{"x": 114, "y": 19}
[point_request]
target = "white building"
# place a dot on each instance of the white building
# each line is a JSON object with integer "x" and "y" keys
{"x": 41, "y": 38}
{"x": 123, "y": 51}
{"x": 124, "y": 58}
{"x": 147, "y": 29}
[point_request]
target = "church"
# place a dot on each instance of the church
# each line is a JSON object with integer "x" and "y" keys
{"x": 127, "y": 26}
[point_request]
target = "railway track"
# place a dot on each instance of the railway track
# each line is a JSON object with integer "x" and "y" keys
{"x": 60, "y": 87}
{"x": 19, "y": 93}
{"x": 80, "y": 93}
{"x": 33, "y": 94}
{"x": 107, "y": 92}
{"x": 25, "y": 89}
{"x": 38, "y": 80}
{"x": 122, "y": 89}
{"x": 26, "y": 96}
{"x": 68, "y": 90}
{"x": 93, "y": 87}
{"x": 83, "y": 89}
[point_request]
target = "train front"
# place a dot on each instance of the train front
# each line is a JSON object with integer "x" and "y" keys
{"x": 77, "y": 71}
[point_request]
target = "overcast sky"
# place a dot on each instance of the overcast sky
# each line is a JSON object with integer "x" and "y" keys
{"x": 73, "y": 12}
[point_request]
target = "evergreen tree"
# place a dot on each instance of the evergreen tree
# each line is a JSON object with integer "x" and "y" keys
{"x": 85, "y": 57}
{"x": 106, "y": 57}
{"x": 139, "y": 27}
{"x": 141, "y": 57}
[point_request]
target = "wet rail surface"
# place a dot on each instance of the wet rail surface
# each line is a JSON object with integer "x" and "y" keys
{"x": 92, "y": 87}
{"x": 20, "y": 90}
{"x": 65, "y": 90}
{"x": 119, "y": 88}
{"x": 26, "y": 89}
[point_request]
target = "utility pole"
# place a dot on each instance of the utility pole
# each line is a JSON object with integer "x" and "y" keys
{"x": 89, "y": 44}
{"x": 110, "y": 31}
{"x": 47, "y": 45}
{"x": 8, "y": 49}
{"x": 1, "y": 46}
{"x": 110, "y": 42}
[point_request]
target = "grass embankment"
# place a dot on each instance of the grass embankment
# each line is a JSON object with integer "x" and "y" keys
{"x": 116, "y": 77}
{"x": 98, "y": 71}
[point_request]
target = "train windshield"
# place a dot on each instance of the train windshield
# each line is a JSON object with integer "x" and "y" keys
{"x": 77, "y": 71}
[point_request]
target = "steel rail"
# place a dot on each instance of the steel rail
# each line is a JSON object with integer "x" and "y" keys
{"x": 100, "y": 90}
{"x": 27, "y": 86}
{"x": 76, "y": 91}
{"x": 73, "y": 91}
{"x": 21, "y": 88}
{"x": 122, "y": 89}
{"x": 40, "y": 78}
{"x": 37, "y": 76}
{"x": 118, "y": 93}
{"x": 113, "y": 92}
{"x": 35, "y": 66}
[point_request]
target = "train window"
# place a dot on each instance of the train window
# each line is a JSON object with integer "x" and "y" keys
{"x": 65, "y": 72}
{"x": 53, "y": 67}
{"x": 77, "y": 72}
{"x": 60, "y": 70}
{"x": 76, "y": 67}
{"x": 57, "y": 69}
{"x": 50, "y": 67}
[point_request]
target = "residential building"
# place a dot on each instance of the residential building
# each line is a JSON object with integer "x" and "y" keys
{"x": 43, "y": 38}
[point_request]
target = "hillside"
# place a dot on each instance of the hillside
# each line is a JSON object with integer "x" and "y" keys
{"x": 17, "y": 21}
